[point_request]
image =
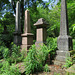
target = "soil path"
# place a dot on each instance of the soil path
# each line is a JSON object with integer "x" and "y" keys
{"x": 54, "y": 70}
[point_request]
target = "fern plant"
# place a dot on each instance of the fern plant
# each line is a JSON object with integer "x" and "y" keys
{"x": 35, "y": 59}
{"x": 70, "y": 59}
{"x": 7, "y": 69}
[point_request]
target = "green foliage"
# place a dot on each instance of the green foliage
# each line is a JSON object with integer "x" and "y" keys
{"x": 68, "y": 73}
{"x": 73, "y": 56}
{"x": 15, "y": 54}
{"x": 53, "y": 18}
{"x": 46, "y": 68}
{"x": 68, "y": 62}
{"x": 12, "y": 55}
{"x": 15, "y": 50}
{"x": 7, "y": 27}
{"x": 6, "y": 69}
{"x": 73, "y": 44}
{"x": 70, "y": 59}
{"x": 71, "y": 17}
{"x": 56, "y": 73}
{"x": 4, "y": 52}
{"x": 52, "y": 46}
{"x": 35, "y": 59}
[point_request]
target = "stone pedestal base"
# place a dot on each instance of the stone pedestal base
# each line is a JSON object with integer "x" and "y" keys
{"x": 17, "y": 38}
{"x": 27, "y": 40}
{"x": 64, "y": 43}
{"x": 60, "y": 63}
{"x": 39, "y": 43}
{"x": 61, "y": 55}
{"x": 64, "y": 46}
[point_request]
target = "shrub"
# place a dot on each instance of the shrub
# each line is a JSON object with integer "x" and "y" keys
{"x": 35, "y": 59}
{"x": 46, "y": 68}
{"x": 52, "y": 46}
{"x": 16, "y": 54}
{"x": 4, "y": 52}
{"x": 68, "y": 62}
{"x": 6, "y": 69}
{"x": 13, "y": 55}
{"x": 70, "y": 73}
{"x": 70, "y": 59}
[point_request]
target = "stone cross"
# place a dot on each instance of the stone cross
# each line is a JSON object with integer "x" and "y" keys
{"x": 64, "y": 40}
{"x": 27, "y": 37}
{"x": 40, "y": 31}
{"x": 17, "y": 33}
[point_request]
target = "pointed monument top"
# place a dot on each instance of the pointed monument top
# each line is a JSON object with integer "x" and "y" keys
{"x": 41, "y": 21}
{"x": 27, "y": 10}
{"x": 27, "y": 27}
{"x": 18, "y": 25}
{"x": 64, "y": 30}
{"x": 18, "y": 2}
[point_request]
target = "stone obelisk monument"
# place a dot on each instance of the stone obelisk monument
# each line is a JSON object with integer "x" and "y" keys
{"x": 17, "y": 33}
{"x": 64, "y": 41}
{"x": 27, "y": 37}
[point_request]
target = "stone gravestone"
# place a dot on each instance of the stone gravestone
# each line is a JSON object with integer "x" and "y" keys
{"x": 64, "y": 41}
{"x": 27, "y": 37}
{"x": 41, "y": 35}
{"x": 17, "y": 33}
{"x": 40, "y": 31}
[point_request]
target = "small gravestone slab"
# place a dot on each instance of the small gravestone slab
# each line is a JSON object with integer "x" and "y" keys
{"x": 41, "y": 25}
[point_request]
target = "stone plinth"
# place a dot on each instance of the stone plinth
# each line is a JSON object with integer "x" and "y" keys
{"x": 17, "y": 38}
{"x": 40, "y": 31}
{"x": 27, "y": 40}
{"x": 27, "y": 37}
{"x": 64, "y": 41}
{"x": 17, "y": 33}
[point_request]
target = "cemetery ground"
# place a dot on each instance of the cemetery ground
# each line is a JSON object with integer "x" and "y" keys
{"x": 53, "y": 70}
{"x": 8, "y": 65}
{"x": 47, "y": 54}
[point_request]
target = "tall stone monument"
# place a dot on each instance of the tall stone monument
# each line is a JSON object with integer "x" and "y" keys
{"x": 27, "y": 37}
{"x": 64, "y": 41}
{"x": 17, "y": 33}
{"x": 40, "y": 31}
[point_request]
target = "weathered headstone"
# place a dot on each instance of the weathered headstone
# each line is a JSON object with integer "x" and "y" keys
{"x": 40, "y": 31}
{"x": 27, "y": 37}
{"x": 64, "y": 40}
{"x": 17, "y": 33}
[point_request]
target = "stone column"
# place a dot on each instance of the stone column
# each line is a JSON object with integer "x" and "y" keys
{"x": 64, "y": 41}
{"x": 27, "y": 37}
{"x": 17, "y": 33}
{"x": 40, "y": 31}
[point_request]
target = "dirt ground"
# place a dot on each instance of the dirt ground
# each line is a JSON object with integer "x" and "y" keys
{"x": 54, "y": 70}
